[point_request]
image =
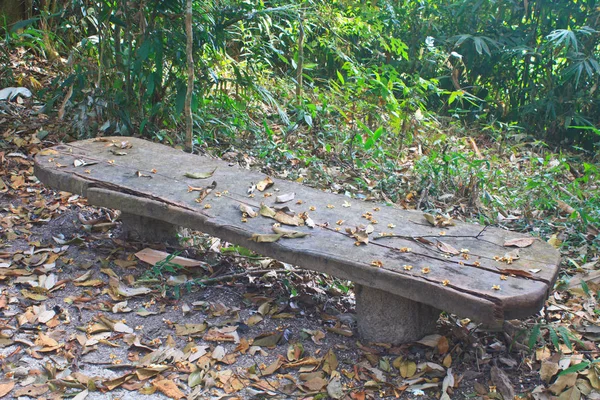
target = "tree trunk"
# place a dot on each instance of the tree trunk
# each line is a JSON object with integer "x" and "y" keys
{"x": 189, "y": 137}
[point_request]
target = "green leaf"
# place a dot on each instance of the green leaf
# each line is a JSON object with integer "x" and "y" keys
{"x": 565, "y": 334}
{"x": 22, "y": 24}
{"x": 195, "y": 378}
{"x": 575, "y": 368}
{"x": 553, "y": 337}
{"x": 534, "y": 335}
{"x": 585, "y": 288}
{"x": 373, "y": 138}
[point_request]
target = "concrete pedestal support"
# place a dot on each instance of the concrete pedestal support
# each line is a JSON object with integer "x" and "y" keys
{"x": 148, "y": 229}
{"x": 384, "y": 317}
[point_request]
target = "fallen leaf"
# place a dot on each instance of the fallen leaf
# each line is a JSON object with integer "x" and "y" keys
{"x": 266, "y": 211}
{"x": 287, "y": 219}
{"x": 564, "y": 207}
{"x": 199, "y": 175}
{"x": 516, "y": 272}
{"x": 125, "y": 291}
{"x": 407, "y": 368}
{"x": 314, "y": 382}
{"x": 519, "y": 242}
{"x": 190, "y": 329}
{"x": 289, "y": 234}
{"x": 548, "y": 369}
{"x": 330, "y": 362}
{"x": 268, "y": 340}
{"x": 443, "y": 345}
{"x": 81, "y": 395}
{"x": 47, "y": 152}
{"x": 264, "y": 184}
{"x": 284, "y": 198}
{"x": 334, "y": 388}
{"x": 265, "y": 238}
{"x": 430, "y": 340}
{"x": 562, "y": 382}
{"x": 249, "y": 211}
{"x": 153, "y": 257}
{"x": 430, "y": 218}
{"x": 34, "y": 390}
{"x": 6, "y": 387}
{"x": 555, "y": 241}
{"x": 446, "y": 248}
{"x": 168, "y": 388}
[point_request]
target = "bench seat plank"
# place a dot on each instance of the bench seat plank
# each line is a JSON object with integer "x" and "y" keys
{"x": 113, "y": 182}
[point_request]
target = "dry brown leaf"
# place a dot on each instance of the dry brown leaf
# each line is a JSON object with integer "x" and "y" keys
{"x": 168, "y": 388}
{"x": 35, "y": 390}
{"x": 264, "y": 184}
{"x": 519, "y": 242}
{"x": 548, "y": 369}
{"x": 516, "y": 272}
{"x": 289, "y": 234}
{"x": 443, "y": 345}
{"x": 190, "y": 329}
{"x": 265, "y": 238}
{"x": 6, "y": 387}
{"x": 286, "y": 219}
{"x": 446, "y": 248}
{"x": 564, "y": 207}
{"x": 330, "y": 362}
{"x": 152, "y": 257}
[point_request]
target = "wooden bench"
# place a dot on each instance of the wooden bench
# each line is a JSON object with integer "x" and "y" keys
{"x": 409, "y": 270}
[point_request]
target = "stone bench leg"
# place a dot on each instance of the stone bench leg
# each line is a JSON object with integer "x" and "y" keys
{"x": 387, "y": 318}
{"x": 148, "y": 229}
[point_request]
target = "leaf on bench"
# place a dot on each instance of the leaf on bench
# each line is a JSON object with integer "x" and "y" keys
{"x": 446, "y": 248}
{"x": 265, "y": 238}
{"x": 199, "y": 175}
{"x": 281, "y": 216}
{"x": 246, "y": 209}
{"x": 519, "y": 242}
{"x": 284, "y": 198}
{"x": 361, "y": 233}
{"x": 264, "y": 184}
{"x": 439, "y": 220}
{"x": 289, "y": 234}
{"x": 516, "y": 272}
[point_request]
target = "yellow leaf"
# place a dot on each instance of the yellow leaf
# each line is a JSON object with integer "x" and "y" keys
{"x": 447, "y": 361}
{"x": 264, "y": 184}
{"x": 555, "y": 241}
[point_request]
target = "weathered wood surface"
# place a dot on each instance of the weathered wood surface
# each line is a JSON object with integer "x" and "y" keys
{"x": 163, "y": 195}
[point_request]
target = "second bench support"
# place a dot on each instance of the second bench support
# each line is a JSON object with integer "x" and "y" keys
{"x": 384, "y": 317}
